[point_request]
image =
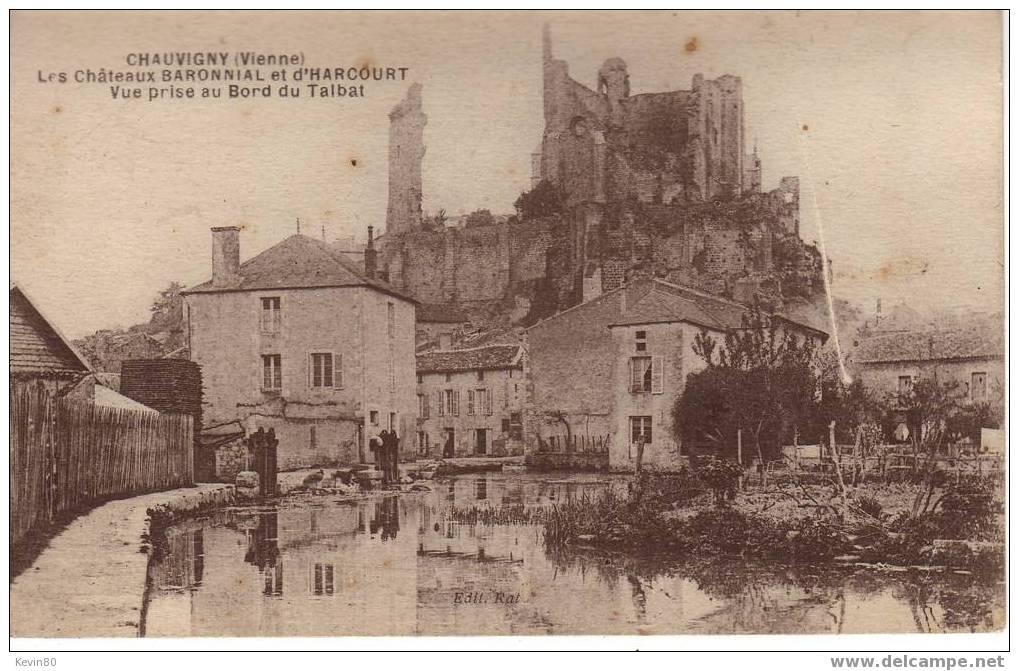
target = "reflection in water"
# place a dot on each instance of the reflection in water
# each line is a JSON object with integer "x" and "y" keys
{"x": 350, "y": 571}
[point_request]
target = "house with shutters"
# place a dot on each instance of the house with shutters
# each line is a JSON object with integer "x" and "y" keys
{"x": 470, "y": 401}
{"x": 614, "y": 366}
{"x": 302, "y": 340}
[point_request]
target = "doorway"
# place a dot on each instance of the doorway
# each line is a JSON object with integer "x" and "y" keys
{"x": 448, "y": 445}
{"x": 480, "y": 441}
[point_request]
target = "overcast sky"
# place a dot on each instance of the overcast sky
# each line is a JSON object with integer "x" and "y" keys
{"x": 891, "y": 120}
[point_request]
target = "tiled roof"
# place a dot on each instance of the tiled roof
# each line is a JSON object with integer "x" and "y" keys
{"x": 939, "y": 345}
{"x": 440, "y": 314}
{"x": 478, "y": 358}
{"x": 660, "y": 307}
{"x": 668, "y": 302}
{"x": 299, "y": 262}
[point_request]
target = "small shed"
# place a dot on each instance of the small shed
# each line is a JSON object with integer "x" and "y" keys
{"x": 40, "y": 354}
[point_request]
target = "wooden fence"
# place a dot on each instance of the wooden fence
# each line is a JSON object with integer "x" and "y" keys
{"x": 574, "y": 444}
{"x": 67, "y": 455}
{"x": 889, "y": 462}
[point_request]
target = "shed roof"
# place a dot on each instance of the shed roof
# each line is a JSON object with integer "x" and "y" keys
{"x": 493, "y": 357}
{"x": 931, "y": 345}
{"x": 109, "y": 398}
{"x": 37, "y": 346}
{"x": 300, "y": 262}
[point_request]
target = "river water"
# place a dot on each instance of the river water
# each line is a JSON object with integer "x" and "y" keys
{"x": 399, "y": 565}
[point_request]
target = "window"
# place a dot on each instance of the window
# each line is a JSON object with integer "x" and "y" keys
{"x": 440, "y": 406}
{"x": 516, "y": 426}
{"x": 322, "y": 579}
{"x": 322, "y": 370}
{"x": 272, "y": 375}
{"x": 452, "y": 402}
{"x": 640, "y": 425}
{"x": 470, "y": 401}
{"x": 392, "y": 421}
{"x": 646, "y": 375}
{"x": 484, "y": 397}
{"x": 640, "y": 374}
{"x": 373, "y": 417}
{"x": 392, "y": 371}
{"x": 423, "y": 406}
{"x": 978, "y": 387}
{"x": 312, "y": 438}
{"x": 641, "y": 341}
{"x": 905, "y": 384}
{"x": 421, "y": 378}
{"x": 271, "y": 314}
{"x": 481, "y": 376}
{"x": 391, "y": 319}
{"x": 505, "y": 426}
{"x": 422, "y": 442}
{"x": 449, "y": 377}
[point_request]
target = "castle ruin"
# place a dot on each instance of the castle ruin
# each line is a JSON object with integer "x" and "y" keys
{"x": 646, "y": 184}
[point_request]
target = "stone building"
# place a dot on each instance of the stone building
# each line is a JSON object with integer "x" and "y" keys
{"x": 889, "y": 363}
{"x": 438, "y": 326}
{"x": 613, "y": 367}
{"x": 300, "y": 340}
{"x": 470, "y": 401}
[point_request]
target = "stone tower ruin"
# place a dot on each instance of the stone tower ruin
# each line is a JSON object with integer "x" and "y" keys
{"x": 406, "y": 150}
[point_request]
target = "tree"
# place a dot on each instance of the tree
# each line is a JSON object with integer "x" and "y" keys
{"x": 479, "y": 218}
{"x": 760, "y": 382}
{"x": 168, "y": 308}
{"x": 544, "y": 200}
{"x": 929, "y": 406}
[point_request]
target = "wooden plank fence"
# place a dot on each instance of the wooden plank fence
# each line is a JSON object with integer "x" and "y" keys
{"x": 67, "y": 455}
{"x": 574, "y": 444}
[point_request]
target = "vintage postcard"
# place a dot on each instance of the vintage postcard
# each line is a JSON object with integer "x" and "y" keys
{"x": 415, "y": 323}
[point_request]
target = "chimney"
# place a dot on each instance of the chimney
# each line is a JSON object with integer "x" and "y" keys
{"x": 226, "y": 256}
{"x": 370, "y": 255}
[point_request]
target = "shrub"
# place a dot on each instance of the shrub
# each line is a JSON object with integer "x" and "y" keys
{"x": 669, "y": 490}
{"x": 818, "y": 538}
{"x": 870, "y": 505}
{"x": 726, "y": 530}
{"x": 968, "y": 510}
{"x": 720, "y": 475}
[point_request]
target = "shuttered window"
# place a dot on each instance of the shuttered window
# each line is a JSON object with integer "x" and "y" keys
{"x": 647, "y": 375}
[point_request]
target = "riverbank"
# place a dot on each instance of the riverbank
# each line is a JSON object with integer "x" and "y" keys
{"x": 90, "y": 581}
{"x": 958, "y": 526}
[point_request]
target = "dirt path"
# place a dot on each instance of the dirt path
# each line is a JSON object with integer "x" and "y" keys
{"x": 90, "y": 581}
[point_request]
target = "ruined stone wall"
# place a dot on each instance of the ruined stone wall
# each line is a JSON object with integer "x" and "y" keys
{"x": 464, "y": 265}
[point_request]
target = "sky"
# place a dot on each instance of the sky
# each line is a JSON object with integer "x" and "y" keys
{"x": 892, "y": 121}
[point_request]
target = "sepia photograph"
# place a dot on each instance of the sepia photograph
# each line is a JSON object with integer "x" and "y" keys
{"x": 333, "y": 324}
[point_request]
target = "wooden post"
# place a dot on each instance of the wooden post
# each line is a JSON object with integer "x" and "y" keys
{"x": 739, "y": 446}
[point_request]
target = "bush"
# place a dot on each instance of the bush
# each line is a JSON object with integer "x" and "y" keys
{"x": 725, "y": 530}
{"x": 669, "y": 490}
{"x": 968, "y": 511}
{"x": 870, "y": 505}
{"x": 818, "y": 538}
{"x": 720, "y": 475}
